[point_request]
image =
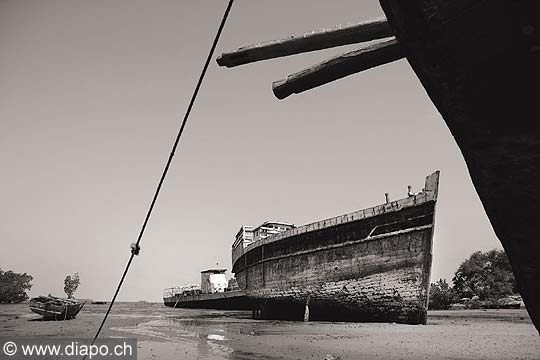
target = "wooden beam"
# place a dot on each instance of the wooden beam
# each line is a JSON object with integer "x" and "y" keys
{"x": 338, "y": 67}
{"x": 315, "y": 40}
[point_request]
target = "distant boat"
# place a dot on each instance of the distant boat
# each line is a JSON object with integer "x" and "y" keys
{"x": 99, "y": 302}
{"x": 53, "y": 308}
{"x": 215, "y": 292}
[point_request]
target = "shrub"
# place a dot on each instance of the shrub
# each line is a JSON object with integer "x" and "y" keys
{"x": 13, "y": 286}
{"x": 441, "y": 295}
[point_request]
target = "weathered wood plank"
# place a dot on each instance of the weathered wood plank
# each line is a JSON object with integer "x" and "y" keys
{"x": 338, "y": 67}
{"x": 315, "y": 40}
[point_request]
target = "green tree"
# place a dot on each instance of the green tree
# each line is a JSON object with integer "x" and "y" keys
{"x": 441, "y": 295}
{"x": 485, "y": 274}
{"x": 13, "y": 286}
{"x": 71, "y": 283}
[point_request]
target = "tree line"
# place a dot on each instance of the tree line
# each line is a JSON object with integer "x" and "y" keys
{"x": 484, "y": 276}
{"x": 13, "y": 286}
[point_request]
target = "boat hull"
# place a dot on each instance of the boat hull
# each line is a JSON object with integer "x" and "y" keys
{"x": 55, "y": 310}
{"x": 375, "y": 267}
{"x": 377, "y": 280}
{"x": 233, "y": 300}
{"x": 478, "y": 61}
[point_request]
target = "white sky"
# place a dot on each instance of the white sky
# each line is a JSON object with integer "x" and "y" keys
{"x": 91, "y": 96}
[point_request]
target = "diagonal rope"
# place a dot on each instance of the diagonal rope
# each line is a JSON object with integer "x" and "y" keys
{"x": 164, "y": 174}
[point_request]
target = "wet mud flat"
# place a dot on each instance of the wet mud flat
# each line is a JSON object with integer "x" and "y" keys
{"x": 165, "y": 333}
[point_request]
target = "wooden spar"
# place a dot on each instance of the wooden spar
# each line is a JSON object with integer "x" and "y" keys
{"x": 315, "y": 40}
{"x": 338, "y": 67}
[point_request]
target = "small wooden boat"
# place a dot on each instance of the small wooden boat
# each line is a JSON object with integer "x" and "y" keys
{"x": 53, "y": 308}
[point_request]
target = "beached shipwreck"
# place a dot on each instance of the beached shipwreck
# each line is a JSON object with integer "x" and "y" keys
{"x": 54, "y": 308}
{"x": 373, "y": 264}
{"x": 479, "y": 61}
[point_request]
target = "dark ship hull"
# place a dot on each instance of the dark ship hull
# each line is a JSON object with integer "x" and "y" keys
{"x": 478, "y": 61}
{"x": 232, "y": 300}
{"x": 370, "y": 265}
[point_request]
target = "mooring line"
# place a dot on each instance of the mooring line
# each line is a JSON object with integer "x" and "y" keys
{"x": 135, "y": 246}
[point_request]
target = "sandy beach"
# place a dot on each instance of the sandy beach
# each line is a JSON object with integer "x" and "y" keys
{"x": 207, "y": 334}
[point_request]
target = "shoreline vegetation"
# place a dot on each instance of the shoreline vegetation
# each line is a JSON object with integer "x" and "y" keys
{"x": 482, "y": 281}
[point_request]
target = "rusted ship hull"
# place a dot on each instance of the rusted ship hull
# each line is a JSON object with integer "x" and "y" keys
{"x": 479, "y": 63}
{"x": 233, "y": 300}
{"x": 370, "y": 265}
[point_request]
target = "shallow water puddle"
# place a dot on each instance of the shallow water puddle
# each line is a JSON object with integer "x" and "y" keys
{"x": 161, "y": 329}
{"x": 209, "y": 338}
{"x": 184, "y": 350}
{"x": 179, "y": 340}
